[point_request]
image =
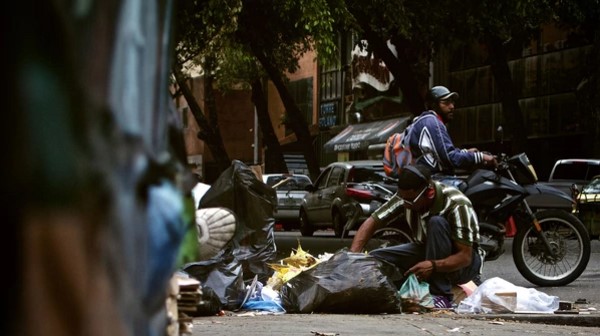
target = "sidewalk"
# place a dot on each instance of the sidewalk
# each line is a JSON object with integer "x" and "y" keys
{"x": 435, "y": 323}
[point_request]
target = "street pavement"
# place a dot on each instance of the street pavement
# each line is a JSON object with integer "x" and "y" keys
{"x": 435, "y": 323}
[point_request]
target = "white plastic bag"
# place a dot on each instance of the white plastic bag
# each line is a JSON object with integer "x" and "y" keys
{"x": 497, "y": 295}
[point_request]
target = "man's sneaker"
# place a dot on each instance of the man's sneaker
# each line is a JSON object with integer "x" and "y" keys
{"x": 441, "y": 301}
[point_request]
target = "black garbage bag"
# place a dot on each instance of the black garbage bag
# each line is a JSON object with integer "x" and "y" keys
{"x": 253, "y": 202}
{"x": 252, "y": 247}
{"x": 209, "y": 305}
{"x": 223, "y": 275}
{"x": 352, "y": 283}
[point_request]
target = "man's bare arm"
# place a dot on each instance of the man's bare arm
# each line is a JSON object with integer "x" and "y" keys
{"x": 364, "y": 233}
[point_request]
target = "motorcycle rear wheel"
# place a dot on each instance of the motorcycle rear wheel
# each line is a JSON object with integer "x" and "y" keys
{"x": 390, "y": 236}
{"x": 569, "y": 240}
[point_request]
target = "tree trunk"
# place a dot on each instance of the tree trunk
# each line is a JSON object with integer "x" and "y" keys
{"x": 276, "y": 162}
{"x": 208, "y": 134}
{"x": 512, "y": 114}
{"x": 297, "y": 121}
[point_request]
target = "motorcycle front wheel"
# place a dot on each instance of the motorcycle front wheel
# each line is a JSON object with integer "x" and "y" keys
{"x": 568, "y": 240}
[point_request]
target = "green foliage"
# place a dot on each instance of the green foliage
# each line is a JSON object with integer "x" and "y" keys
{"x": 203, "y": 26}
{"x": 431, "y": 22}
{"x": 583, "y": 14}
{"x": 231, "y": 31}
{"x": 284, "y": 30}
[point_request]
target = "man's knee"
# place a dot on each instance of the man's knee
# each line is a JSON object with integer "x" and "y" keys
{"x": 438, "y": 224}
{"x": 382, "y": 254}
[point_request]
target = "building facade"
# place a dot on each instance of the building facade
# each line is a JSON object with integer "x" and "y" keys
{"x": 349, "y": 103}
{"x": 546, "y": 75}
{"x": 236, "y": 124}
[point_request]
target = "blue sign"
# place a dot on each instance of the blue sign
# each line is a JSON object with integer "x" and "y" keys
{"x": 328, "y": 115}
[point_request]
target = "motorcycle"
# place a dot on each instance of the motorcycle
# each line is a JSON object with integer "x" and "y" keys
{"x": 366, "y": 197}
{"x": 551, "y": 247}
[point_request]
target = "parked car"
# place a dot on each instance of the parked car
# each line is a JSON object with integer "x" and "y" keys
{"x": 343, "y": 195}
{"x": 588, "y": 207}
{"x": 567, "y": 172}
{"x": 567, "y": 175}
{"x": 290, "y": 189}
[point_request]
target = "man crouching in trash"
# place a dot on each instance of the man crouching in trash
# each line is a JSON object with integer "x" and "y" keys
{"x": 445, "y": 231}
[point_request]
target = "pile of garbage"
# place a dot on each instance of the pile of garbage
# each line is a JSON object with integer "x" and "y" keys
{"x": 242, "y": 274}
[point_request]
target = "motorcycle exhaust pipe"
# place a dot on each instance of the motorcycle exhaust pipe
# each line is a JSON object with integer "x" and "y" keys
{"x": 492, "y": 240}
{"x": 491, "y": 228}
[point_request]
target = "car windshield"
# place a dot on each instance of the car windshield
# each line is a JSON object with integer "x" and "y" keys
{"x": 367, "y": 174}
{"x": 593, "y": 187}
{"x": 575, "y": 171}
{"x": 285, "y": 182}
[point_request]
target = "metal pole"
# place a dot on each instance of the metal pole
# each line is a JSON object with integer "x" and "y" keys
{"x": 430, "y": 74}
{"x": 431, "y": 69}
{"x": 255, "y": 145}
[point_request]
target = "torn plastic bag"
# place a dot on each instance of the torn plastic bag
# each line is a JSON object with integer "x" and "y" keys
{"x": 253, "y": 202}
{"x": 497, "y": 295}
{"x": 415, "y": 296}
{"x": 255, "y": 300}
{"x": 353, "y": 283}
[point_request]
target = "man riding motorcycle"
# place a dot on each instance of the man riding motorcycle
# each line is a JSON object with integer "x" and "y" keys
{"x": 430, "y": 142}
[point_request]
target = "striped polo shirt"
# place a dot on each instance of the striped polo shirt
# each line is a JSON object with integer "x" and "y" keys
{"x": 449, "y": 203}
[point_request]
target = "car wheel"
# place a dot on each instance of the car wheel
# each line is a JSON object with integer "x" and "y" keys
{"x": 306, "y": 229}
{"x": 338, "y": 224}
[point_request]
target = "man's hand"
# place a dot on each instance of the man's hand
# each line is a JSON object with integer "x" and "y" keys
{"x": 461, "y": 258}
{"x": 489, "y": 161}
{"x": 422, "y": 270}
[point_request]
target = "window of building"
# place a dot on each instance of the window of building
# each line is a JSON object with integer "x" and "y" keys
{"x": 334, "y": 83}
{"x": 331, "y": 81}
{"x": 185, "y": 117}
{"x": 543, "y": 80}
{"x": 475, "y": 124}
{"x": 302, "y": 92}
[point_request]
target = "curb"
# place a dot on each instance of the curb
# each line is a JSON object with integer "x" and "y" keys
{"x": 590, "y": 320}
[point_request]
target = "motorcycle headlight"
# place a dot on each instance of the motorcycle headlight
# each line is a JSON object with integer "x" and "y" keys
{"x": 524, "y": 172}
